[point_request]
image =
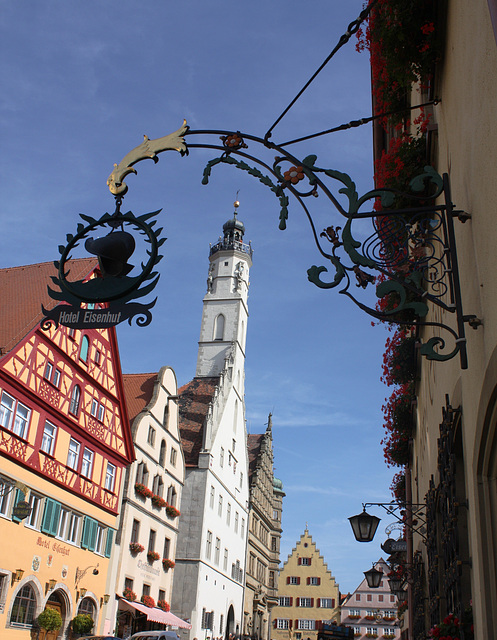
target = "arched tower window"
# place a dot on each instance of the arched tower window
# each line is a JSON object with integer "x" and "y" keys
{"x": 162, "y": 453}
{"x": 219, "y": 327}
{"x": 75, "y": 399}
{"x": 83, "y": 351}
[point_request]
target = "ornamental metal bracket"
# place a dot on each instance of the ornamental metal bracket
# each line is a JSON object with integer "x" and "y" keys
{"x": 408, "y": 253}
{"x": 399, "y": 511}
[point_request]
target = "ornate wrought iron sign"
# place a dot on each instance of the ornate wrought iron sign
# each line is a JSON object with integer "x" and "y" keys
{"x": 409, "y": 253}
{"x": 108, "y": 297}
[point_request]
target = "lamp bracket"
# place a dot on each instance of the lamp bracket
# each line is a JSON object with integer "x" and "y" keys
{"x": 409, "y": 254}
{"x": 399, "y": 512}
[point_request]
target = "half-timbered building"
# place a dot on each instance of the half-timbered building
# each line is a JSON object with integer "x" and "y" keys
{"x": 64, "y": 444}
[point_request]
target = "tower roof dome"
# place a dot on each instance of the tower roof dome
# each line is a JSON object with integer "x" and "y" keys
{"x": 232, "y": 224}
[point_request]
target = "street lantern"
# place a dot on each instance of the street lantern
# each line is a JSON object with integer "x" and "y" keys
{"x": 364, "y": 526}
{"x": 373, "y": 577}
{"x": 395, "y": 584}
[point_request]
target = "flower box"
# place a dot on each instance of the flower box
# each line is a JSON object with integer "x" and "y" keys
{"x": 129, "y": 595}
{"x": 152, "y": 555}
{"x": 369, "y": 618}
{"x": 168, "y": 564}
{"x": 158, "y": 502}
{"x": 142, "y": 490}
{"x": 162, "y": 604}
{"x": 171, "y": 511}
{"x": 136, "y": 547}
{"x": 354, "y": 616}
{"x": 148, "y": 601}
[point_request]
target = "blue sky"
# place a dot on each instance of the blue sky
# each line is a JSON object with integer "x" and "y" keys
{"x": 82, "y": 82}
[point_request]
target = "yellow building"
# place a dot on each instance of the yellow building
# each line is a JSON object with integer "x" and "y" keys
{"x": 307, "y": 594}
{"x": 64, "y": 444}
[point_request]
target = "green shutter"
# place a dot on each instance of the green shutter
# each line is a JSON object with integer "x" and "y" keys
{"x": 89, "y": 536}
{"x": 108, "y": 542}
{"x": 18, "y": 498}
{"x": 51, "y": 514}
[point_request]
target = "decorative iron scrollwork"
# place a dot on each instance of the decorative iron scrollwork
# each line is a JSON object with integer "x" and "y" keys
{"x": 409, "y": 252}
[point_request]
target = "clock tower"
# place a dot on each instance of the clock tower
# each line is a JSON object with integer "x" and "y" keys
{"x": 225, "y": 313}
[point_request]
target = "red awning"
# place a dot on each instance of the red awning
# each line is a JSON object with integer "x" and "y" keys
{"x": 154, "y": 614}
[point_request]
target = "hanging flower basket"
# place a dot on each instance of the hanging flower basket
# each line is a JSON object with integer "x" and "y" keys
{"x": 162, "y": 604}
{"x": 142, "y": 490}
{"x": 136, "y": 547}
{"x": 172, "y": 512}
{"x": 152, "y": 555}
{"x": 168, "y": 564}
{"x": 128, "y": 594}
{"x": 158, "y": 502}
{"x": 148, "y": 601}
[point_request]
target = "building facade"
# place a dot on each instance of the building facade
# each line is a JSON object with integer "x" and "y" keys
{"x": 264, "y": 536}
{"x": 65, "y": 443}
{"x": 211, "y": 550}
{"x": 372, "y": 612}
{"x": 145, "y": 545}
{"x": 307, "y": 594}
{"x": 451, "y": 462}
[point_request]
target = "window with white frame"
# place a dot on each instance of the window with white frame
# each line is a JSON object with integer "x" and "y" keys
{"x": 242, "y": 528}
{"x": 284, "y": 601}
{"x": 212, "y": 496}
{"x": 326, "y": 603}
{"x": 293, "y": 580}
{"x": 35, "y": 501}
{"x": 173, "y": 457}
{"x": 69, "y": 526}
{"x": 14, "y": 415}
{"x": 228, "y": 514}
{"x": 75, "y": 398}
{"x": 305, "y": 562}
{"x": 48, "y": 440}
{"x": 309, "y": 625}
{"x": 208, "y": 545}
{"x": 110, "y": 477}
{"x": 236, "y": 521}
{"x": 99, "y": 539}
{"x": 73, "y": 454}
{"x": 151, "y": 436}
{"x": 5, "y": 493}
{"x": 282, "y": 623}
{"x": 371, "y": 631}
{"x": 220, "y": 506}
{"x": 354, "y": 612}
{"x": 305, "y": 602}
{"x": 225, "y": 560}
{"x": 221, "y": 457}
{"x": 87, "y": 463}
{"x": 217, "y": 551}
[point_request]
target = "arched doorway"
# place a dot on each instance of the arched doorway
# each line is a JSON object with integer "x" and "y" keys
{"x": 88, "y": 607}
{"x": 230, "y": 622}
{"x": 57, "y": 603}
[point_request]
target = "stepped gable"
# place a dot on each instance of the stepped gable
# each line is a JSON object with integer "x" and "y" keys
{"x": 254, "y": 443}
{"x": 24, "y": 290}
{"x": 194, "y": 400}
{"x": 138, "y": 390}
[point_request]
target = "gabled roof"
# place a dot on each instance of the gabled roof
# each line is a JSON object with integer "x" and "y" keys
{"x": 254, "y": 444}
{"x": 23, "y": 290}
{"x": 138, "y": 390}
{"x": 194, "y": 399}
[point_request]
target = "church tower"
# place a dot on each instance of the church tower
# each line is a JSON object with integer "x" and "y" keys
{"x": 224, "y": 317}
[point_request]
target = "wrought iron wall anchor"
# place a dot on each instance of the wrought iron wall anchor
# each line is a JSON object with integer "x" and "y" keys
{"x": 409, "y": 254}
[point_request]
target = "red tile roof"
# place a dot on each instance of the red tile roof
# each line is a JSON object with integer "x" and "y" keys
{"x": 194, "y": 400}
{"x": 23, "y": 290}
{"x": 138, "y": 391}
{"x": 254, "y": 443}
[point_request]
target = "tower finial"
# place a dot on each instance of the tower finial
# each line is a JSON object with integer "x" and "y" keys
{"x": 236, "y": 204}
